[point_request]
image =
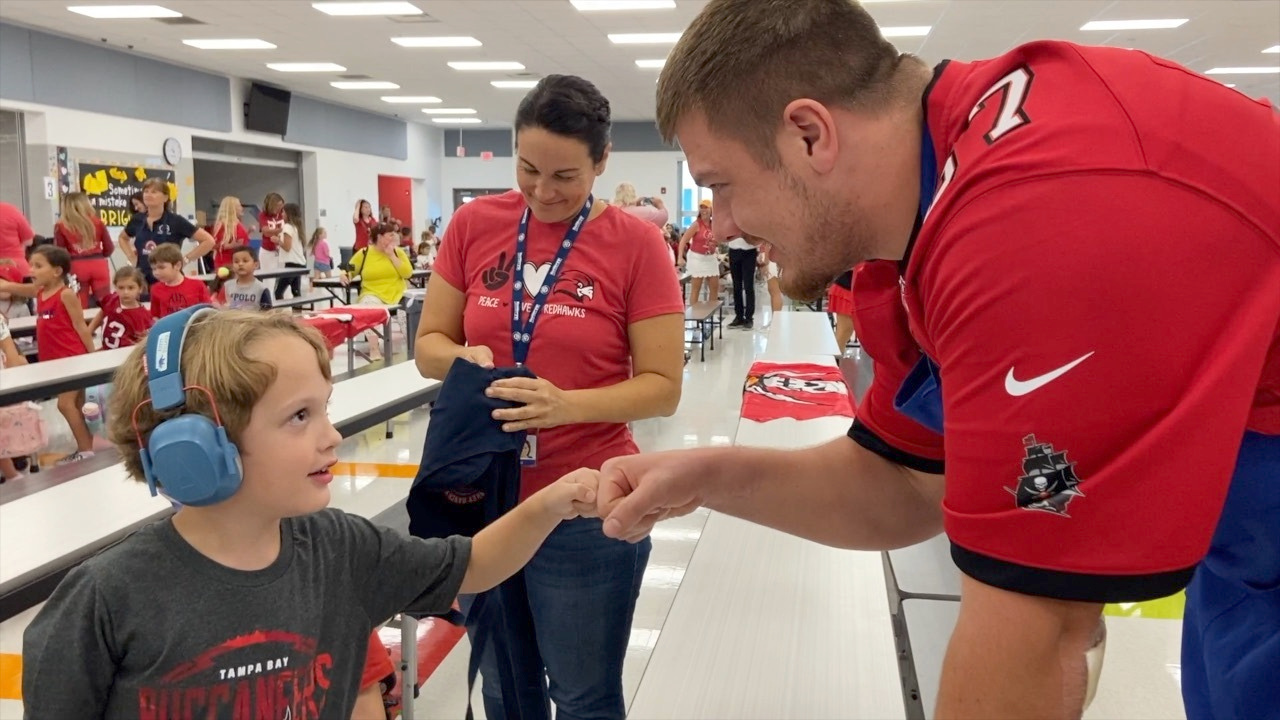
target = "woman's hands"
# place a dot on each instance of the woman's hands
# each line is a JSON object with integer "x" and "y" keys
{"x": 543, "y": 405}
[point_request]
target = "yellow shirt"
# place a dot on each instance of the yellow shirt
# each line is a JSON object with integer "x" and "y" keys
{"x": 379, "y": 277}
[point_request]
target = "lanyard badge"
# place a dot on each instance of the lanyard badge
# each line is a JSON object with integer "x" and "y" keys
{"x": 522, "y": 332}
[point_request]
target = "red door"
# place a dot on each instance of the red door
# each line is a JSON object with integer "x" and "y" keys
{"x": 397, "y": 193}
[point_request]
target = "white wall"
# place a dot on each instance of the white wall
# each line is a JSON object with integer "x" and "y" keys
{"x": 332, "y": 179}
{"x": 648, "y": 171}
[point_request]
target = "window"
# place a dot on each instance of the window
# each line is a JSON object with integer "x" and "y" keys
{"x": 690, "y": 195}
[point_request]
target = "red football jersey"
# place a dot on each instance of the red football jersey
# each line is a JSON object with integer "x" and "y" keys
{"x": 618, "y": 273}
{"x": 169, "y": 299}
{"x": 121, "y": 326}
{"x": 1096, "y": 279}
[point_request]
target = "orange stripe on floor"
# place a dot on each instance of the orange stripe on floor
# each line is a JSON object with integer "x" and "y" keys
{"x": 387, "y": 470}
{"x": 10, "y": 676}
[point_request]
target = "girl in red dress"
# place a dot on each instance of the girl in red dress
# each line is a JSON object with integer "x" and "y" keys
{"x": 82, "y": 234}
{"x": 61, "y": 333}
{"x": 227, "y": 231}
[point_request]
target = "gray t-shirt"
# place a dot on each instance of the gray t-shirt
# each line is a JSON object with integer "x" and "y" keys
{"x": 152, "y": 628}
{"x": 251, "y": 296}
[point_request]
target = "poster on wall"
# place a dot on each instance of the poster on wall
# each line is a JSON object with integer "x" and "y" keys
{"x": 109, "y": 188}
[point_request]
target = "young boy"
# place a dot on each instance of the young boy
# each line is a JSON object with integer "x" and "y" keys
{"x": 124, "y": 320}
{"x": 260, "y": 605}
{"x": 243, "y": 291}
{"x": 173, "y": 291}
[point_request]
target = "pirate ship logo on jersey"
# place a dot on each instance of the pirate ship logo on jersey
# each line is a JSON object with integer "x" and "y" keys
{"x": 1048, "y": 482}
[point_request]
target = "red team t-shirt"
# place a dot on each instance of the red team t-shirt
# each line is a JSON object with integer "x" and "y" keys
{"x": 1102, "y": 298}
{"x": 121, "y": 326}
{"x": 169, "y": 299}
{"x": 363, "y": 227}
{"x": 222, "y": 254}
{"x": 617, "y": 274}
{"x": 66, "y": 238}
{"x": 56, "y": 336}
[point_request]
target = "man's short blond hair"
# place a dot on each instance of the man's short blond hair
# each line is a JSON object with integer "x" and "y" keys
{"x": 741, "y": 62}
{"x": 217, "y": 354}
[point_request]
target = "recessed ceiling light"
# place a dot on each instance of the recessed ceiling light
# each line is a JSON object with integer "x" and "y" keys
{"x": 1272, "y": 49}
{"x": 514, "y": 84}
{"x": 486, "y": 65}
{"x": 906, "y": 31}
{"x": 436, "y": 42}
{"x": 366, "y": 8}
{"x": 644, "y": 38}
{"x": 457, "y": 121}
{"x": 1229, "y": 84}
{"x": 124, "y": 12}
{"x": 1159, "y": 24}
{"x": 449, "y": 111}
{"x": 410, "y": 99}
{"x": 365, "y": 85}
{"x": 1244, "y": 70}
{"x": 596, "y": 5}
{"x": 651, "y": 64}
{"x": 306, "y": 67}
{"x": 230, "y": 44}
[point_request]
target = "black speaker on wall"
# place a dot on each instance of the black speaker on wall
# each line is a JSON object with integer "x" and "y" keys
{"x": 267, "y": 109}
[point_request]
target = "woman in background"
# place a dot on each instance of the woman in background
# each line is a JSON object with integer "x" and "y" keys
{"x": 159, "y": 225}
{"x": 293, "y": 250}
{"x": 364, "y": 221}
{"x": 384, "y": 269}
{"x": 649, "y": 209}
{"x": 84, "y": 236}
{"x": 698, "y": 255}
{"x": 15, "y": 235}
{"x": 228, "y": 232}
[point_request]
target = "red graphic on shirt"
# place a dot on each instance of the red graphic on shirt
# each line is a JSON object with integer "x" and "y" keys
{"x": 263, "y": 674}
{"x": 797, "y": 390}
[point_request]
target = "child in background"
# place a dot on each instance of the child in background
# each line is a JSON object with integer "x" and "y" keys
{"x": 227, "y": 231}
{"x": 173, "y": 291}
{"x": 252, "y": 571}
{"x": 244, "y": 292}
{"x": 124, "y": 320}
{"x": 318, "y": 249}
{"x": 61, "y": 333}
{"x": 9, "y": 357}
{"x": 426, "y": 256}
{"x": 12, "y": 306}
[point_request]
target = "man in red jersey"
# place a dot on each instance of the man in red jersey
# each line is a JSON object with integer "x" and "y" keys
{"x": 1086, "y": 243}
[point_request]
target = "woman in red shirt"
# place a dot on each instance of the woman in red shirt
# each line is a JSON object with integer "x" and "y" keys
{"x": 84, "y": 236}
{"x": 227, "y": 231}
{"x": 607, "y": 349}
{"x": 364, "y": 222}
{"x": 697, "y": 253}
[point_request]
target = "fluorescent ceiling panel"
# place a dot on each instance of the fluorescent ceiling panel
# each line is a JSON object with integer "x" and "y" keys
{"x": 1157, "y": 24}
{"x": 486, "y": 65}
{"x": 306, "y": 67}
{"x": 514, "y": 84}
{"x": 449, "y": 111}
{"x": 603, "y": 5}
{"x": 651, "y": 64}
{"x": 229, "y": 44}
{"x": 906, "y": 31}
{"x": 410, "y": 99}
{"x": 644, "y": 38}
{"x": 1272, "y": 49}
{"x": 365, "y": 85}
{"x": 436, "y": 42}
{"x": 457, "y": 121}
{"x": 349, "y": 9}
{"x": 124, "y": 12}
{"x": 1260, "y": 70}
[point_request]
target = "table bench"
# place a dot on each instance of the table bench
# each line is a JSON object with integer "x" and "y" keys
{"x": 701, "y": 320}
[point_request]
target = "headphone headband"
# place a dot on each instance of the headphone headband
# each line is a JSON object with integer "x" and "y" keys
{"x": 164, "y": 356}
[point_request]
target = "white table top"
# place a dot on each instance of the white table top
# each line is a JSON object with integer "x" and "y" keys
{"x": 263, "y": 274}
{"x": 27, "y": 325}
{"x": 926, "y": 568}
{"x": 793, "y": 333}
{"x": 768, "y": 625}
{"x": 26, "y": 378}
{"x": 39, "y": 529}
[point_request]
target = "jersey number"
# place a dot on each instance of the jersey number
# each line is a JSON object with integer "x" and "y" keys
{"x": 112, "y": 333}
{"x": 1011, "y": 116}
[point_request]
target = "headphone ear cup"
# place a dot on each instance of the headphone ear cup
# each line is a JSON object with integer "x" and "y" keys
{"x": 189, "y": 458}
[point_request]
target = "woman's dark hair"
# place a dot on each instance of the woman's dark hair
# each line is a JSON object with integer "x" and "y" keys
{"x": 570, "y": 106}
{"x": 134, "y": 198}
{"x": 56, "y": 257}
{"x": 383, "y": 228}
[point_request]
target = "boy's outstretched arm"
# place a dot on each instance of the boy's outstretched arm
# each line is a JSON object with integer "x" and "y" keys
{"x": 500, "y": 550}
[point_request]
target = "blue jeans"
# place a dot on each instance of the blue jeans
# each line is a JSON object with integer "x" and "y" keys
{"x": 582, "y": 595}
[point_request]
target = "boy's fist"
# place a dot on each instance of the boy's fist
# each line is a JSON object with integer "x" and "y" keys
{"x": 573, "y": 495}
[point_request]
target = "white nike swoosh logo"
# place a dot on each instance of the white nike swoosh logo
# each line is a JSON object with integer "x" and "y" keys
{"x": 1018, "y": 388}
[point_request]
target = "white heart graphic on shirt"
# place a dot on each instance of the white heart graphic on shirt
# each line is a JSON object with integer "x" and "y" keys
{"x": 534, "y": 276}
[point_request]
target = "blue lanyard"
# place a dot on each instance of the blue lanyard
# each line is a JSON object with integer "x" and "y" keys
{"x": 522, "y": 333}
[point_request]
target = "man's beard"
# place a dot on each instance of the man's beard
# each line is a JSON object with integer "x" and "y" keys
{"x": 836, "y": 239}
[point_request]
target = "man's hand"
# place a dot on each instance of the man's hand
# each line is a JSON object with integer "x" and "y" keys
{"x": 637, "y": 491}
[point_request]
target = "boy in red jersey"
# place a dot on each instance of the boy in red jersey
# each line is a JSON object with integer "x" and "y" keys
{"x": 123, "y": 319}
{"x": 174, "y": 291}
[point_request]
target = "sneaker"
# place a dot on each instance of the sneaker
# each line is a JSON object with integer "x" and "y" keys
{"x": 737, "y": 323}
{"x": 75, "y": 457}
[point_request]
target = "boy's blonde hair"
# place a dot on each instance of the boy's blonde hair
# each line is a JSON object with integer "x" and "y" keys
{"x": 217, "y": 354}
{"x": 167, "y": 253}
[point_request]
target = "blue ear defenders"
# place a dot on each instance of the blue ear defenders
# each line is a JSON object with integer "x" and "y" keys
{"x": 188, "y": 455}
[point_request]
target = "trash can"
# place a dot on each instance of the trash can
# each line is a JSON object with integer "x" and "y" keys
{"x": 412, "y": 314}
